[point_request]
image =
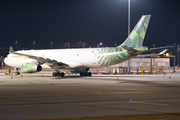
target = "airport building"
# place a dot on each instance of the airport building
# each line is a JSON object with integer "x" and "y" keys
{"x": 135, "y": 64}
{"x": 139, "y": 64}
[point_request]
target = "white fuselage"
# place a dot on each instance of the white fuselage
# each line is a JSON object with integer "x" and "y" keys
{"x": 84, "y": 57}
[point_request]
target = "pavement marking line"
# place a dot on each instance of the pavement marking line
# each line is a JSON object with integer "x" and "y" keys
{"x": 95, "y": 102}
{"x": 150, "y": 103}
{"x": 95, "y": 92}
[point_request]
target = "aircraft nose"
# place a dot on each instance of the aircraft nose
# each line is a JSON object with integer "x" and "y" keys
{"x": 5, "y": 61}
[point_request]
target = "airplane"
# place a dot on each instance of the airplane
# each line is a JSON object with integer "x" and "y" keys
{"x": 82, "y": 59}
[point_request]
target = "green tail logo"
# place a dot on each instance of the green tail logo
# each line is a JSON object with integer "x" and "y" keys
{"x": 136, "y": 37}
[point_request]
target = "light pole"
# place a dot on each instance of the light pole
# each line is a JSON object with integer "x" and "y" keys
{"x": 84, "y": 43}
{"x": 68, "y": 45}
{"x": 80, "y": 43}
{"x": 51, "y": 44}
{"x": 100, "y": 44}
{"x": 129, "y": 70}
{"x": 16, "y": 45}
{"x": 174, "y": 70}
{"x": 34, "y": 44}
{"x": 178, "y": 55}
{"x": 97, "y": 45}
{"x": 150, "y": 71}
{"x": 115, "y": 44}
{"x": 2, "y": 65}
{"x": 129, "y": 17}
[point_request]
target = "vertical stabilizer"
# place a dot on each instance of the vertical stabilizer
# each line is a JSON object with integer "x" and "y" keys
{"x": 11, "y": 50}
{"x": 136, "y": 37}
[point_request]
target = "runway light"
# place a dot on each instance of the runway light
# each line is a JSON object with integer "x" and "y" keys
{"x": 130, "y": 99}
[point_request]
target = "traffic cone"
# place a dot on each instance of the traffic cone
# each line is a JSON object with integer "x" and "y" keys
{"x": 117, "y": 78}
{"x": 42, "y": 75}
{"x": 11, "y": 77}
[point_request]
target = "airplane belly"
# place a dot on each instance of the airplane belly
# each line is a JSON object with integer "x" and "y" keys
{"x": 88, "y": 61}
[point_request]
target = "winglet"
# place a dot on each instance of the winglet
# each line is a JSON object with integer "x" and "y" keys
{"x": 11, "y": 50}
{"x": 163, "y": 52}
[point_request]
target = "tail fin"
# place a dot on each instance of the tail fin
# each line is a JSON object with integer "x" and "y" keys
{"x": 11, "y": 50}
{"x": 136, "y": 37}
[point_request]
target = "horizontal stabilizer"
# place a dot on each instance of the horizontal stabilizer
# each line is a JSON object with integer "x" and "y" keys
{"x": 130, "y": 50}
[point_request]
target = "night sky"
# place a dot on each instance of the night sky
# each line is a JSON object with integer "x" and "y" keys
{"x": 90, "y": 21}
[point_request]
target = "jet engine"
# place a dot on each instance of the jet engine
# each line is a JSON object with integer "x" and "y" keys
{"x": 30, "y": 68}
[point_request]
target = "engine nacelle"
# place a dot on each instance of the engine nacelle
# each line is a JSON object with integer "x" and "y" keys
{"x": 30, "y": 68}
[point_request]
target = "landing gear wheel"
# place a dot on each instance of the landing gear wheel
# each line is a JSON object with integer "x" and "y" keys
{"x": 62, "y": 74}
{"x": 81, "y": 74}
{"x": 58, "y": 74}
{"x": 54, "y": 74}
{"x": 89, "y": 74}
{"x": 17, "y": 73}
{"x": 85, "y": 73}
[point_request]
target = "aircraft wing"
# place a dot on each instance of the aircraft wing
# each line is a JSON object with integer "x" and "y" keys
{"x": 50, "y": 62}
{"x": 149, "y": 55}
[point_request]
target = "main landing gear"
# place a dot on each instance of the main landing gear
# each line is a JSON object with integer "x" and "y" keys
{"x": 85, "y": 74}
{"x": 17, "y": 71}
{"x": 58, "y": 74}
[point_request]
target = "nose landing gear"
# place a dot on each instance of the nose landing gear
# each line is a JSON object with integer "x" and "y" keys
{"x": 17, "y": 71}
